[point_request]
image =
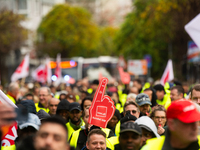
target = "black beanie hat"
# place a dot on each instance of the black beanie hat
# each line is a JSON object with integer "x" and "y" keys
{"x": 117, "y": 114}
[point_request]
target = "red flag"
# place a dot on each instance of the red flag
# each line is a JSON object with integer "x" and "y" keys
{"x": 125, "y": 77}
{"x": 22, "y": 70}
{"x": 168, "y": 74}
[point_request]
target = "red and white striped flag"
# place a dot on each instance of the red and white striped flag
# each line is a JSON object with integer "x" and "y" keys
{"x": 22, "y": 70}
{"x": 168, "y": 74}
{"x": 39, "y": 74}
{"x": 43, "y": 72}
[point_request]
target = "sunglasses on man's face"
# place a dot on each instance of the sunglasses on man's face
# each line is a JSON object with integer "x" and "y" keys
{"x": 129, "y": 111}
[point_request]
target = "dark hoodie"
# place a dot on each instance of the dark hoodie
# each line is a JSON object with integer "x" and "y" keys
{"x": 30, "y": 106}
{"x": 63, "y": 105}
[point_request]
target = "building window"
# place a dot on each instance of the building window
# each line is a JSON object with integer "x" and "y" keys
{"x": 22, "y": 4}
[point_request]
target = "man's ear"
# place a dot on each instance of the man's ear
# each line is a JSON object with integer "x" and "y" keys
{"x": 182, "y": 95}
{"x": 67, "y": 147}
{"x": 87, "y": 145}
{"x": 119, "y": 138}
{"x": 81, "y": 112}
{"x": 171, "y": 124}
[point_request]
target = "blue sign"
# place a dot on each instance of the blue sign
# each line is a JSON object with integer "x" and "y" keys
{"x": 149, "y": 60}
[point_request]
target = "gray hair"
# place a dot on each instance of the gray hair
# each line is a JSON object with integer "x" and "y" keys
{"x": 131, "y": 96}
{"x": 12, "y": 86}
{"x": 46, "y": 88}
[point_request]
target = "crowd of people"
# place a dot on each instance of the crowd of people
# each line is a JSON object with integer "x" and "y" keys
{"x": 148, "y": 116}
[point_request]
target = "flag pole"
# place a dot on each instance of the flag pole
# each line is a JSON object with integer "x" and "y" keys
{"x": 23, "y": 82}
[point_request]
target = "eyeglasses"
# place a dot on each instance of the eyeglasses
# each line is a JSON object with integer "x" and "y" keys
{"x": 162, "y": 118}
{"x": 42, "y": 95}
{"x": 196, "y": 99}
{"x": 129, "y": 111}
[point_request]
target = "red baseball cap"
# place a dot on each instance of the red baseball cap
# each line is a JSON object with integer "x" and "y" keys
{"x": 183, "y": 110}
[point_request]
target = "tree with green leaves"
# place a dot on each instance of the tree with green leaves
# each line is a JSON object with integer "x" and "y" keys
{"x": 12, "y": 36}
{"x": 156, "y": 27}
{"x": 106, "y": 45}
{"x": 67, "y": 30}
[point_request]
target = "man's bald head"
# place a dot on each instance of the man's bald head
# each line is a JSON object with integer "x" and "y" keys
{"x": 53, "y": 104}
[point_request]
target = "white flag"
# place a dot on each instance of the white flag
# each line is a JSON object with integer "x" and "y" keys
{"x": 22, "y": 70}
{"x": 168, "y": 74}
{"x": 4, "y": 99}
{"x": 193, "y": 29}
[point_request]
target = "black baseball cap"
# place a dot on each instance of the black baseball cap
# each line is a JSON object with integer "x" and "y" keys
{"x": 74, "y": 105}
{"x": 128, "y": 117}
{"x": 131, "y": 127}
